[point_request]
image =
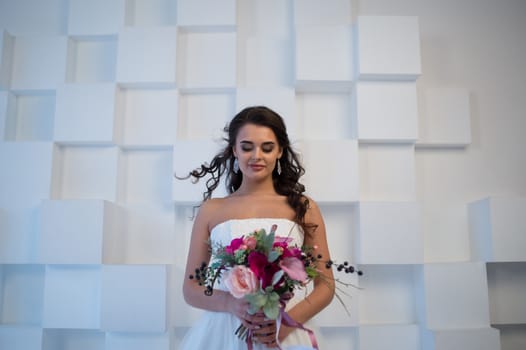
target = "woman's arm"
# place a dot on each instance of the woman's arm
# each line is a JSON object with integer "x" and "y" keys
{"x": 324, "y": 286}
{"x": 199, "y": 252}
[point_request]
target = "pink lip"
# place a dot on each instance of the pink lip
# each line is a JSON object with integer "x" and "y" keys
{"x": 256, "y": 166}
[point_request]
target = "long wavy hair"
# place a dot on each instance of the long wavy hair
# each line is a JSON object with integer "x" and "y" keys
{"x": 286, "y": 183}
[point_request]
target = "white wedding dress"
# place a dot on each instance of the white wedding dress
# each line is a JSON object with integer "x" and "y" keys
{"x": 215, "y": 330}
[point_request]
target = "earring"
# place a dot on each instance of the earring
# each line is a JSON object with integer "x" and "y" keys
{"x": 235, "y": 167}
{"x": 278, "y": 167}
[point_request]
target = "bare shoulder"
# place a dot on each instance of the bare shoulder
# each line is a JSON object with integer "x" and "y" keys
{"x": 313, "y": 210}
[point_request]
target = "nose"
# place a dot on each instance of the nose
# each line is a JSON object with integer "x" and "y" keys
{"x": 256, "y": 154}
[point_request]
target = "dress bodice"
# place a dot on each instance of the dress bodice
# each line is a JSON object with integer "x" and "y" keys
{"x": 227, "y": 230}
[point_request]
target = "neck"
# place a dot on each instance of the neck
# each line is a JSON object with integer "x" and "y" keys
{"x": 254, "y": 188}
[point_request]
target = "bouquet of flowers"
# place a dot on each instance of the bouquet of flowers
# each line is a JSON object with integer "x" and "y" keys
{"x": 265, "y": 269}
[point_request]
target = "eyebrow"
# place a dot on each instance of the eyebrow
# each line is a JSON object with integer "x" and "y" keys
{"x": 264, "y": 143}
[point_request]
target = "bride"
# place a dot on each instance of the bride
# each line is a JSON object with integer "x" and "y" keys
{"x": 262, "y": 176}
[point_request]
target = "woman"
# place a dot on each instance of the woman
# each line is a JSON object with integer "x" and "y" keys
{"x": 262, "y": 176}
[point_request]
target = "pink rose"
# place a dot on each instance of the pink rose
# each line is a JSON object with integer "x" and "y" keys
{"x": 294, "y": 268}
{"x": 240, "y": 281}
{"x": 250, "y": 242}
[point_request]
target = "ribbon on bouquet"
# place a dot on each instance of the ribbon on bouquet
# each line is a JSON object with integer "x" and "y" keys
{"x": 289, "y": 322}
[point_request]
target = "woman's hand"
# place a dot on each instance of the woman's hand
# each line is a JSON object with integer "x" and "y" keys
{"x": 266, "y": 332}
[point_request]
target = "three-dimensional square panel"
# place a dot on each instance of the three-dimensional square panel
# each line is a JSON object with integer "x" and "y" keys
{"x": 455, "y": 295}
{"x": 72, "y": 231}
{"x": 72, "y": 297}
{"x": 265, "y": 62}
{"x": 203, "y": 116}
{"x": 149, "y": 117}
{"x": 322, "y": 12}
{"x": 485, "y": 338}
{"x": 389, "y": 233}
{"x": 325, "y": 116}
{"x": 82, "y": 172}
{"x": 207, "y": 60}
{"x": 95, "y": 17}
{"x": 22, "y": 290}
{"x": 506, "y": 286}
{"x": 18, "y": 234}
{"x": 497, "y": 226}
{"x": 151, "y": 13}
{"x": 92, "y": 59}
{"x": 27, "y": 179}
{"x": 386, "y": 112}
{"x": 29, "y": 116}
{"x": 73, "y": 339}
{"x": 388, "y": 48}
{"x": 85, "y": 113}
{"x": 324, "y": 58}
{"x": 39, "y": 62}
{"x": 131, "y": 290}
{"x": 388, "y": 287}
{"x": 6, "y": 58}
{"x": 444, "y": 118}
{"x": 387, "y": 172}
{"x": 130, "y": 341}
{"x": 20, "y": 338}
{"x": 210, "y": 13}
{"x": 321, "y": 169}
{"x": 147, "y": 56}
{"x": 386, "y": 337}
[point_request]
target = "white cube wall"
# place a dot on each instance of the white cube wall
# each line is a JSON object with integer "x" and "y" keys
{"x": 147, "y": 56}
{"x": 506, "y": 285}
{"x": 92, "y": 60}
{"x": 203, "y": 116}
{"x": 72, "y": 297}
{"x": 267, "y": 63}
{"x": 387, "y": 172}
{"x": 386, "y": 337}
{"x": 72, "y": 231}
{"x": 20, "y": 338}
{"x": 320, "y": 12}
{"x": 497, "y": 226}
{"x": 388, "y": 48}
{"x": 30, "y": 116}
{"x": 455, "y": 296}
{"x": 6, "y": 58}
{"x": 123, "y": 341}
{"x": 39, "y": 63}
{"x": 28, "y": 178}
{"x": 444, "y": 118}
{"x": 207, "y": 60}
{"x": 98, "y": 17}
{"x": 323, "y": 58}
{"x": 389, "y": 233}
{"x": 83, "y": 172}
{"x": 149, "y": 117}
{"x": 209, "y": 13}
{"x": 85, "y": 113}
{"x": 320, "y": 179}
{"x": 122, "y": 286}
{"x": 23, "y": 290}
{"x": 101, "y": 101}
{"x": 386, "y": 112}
{"x": 462, "y": 339}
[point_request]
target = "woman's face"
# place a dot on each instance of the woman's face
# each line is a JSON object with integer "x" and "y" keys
{"x": 257, "y": 150}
